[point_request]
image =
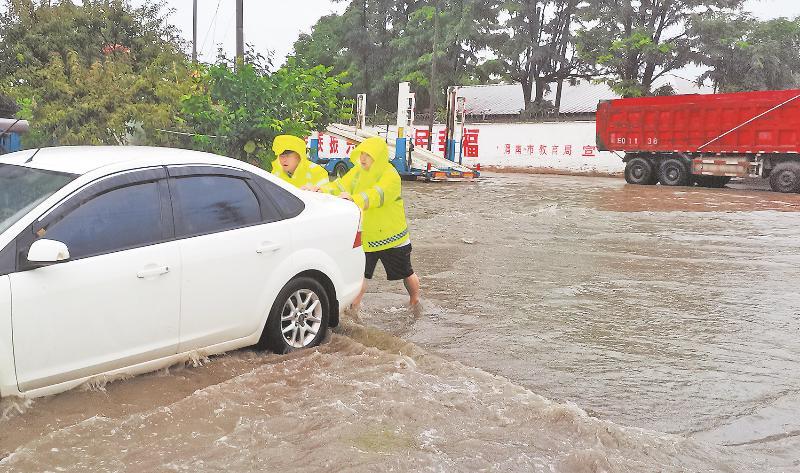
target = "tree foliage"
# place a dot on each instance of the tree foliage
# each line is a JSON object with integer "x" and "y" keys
{"x": 746, "y": 54}
{"x": 535, "y": 47}
{"x": 380, "y": 43}
{"x": 70, "y": 102}
{"x": 92, "y": 73}
{"x": 239, "y": 112}
{"x": 8, "y": 106}
{"x": 631, "y": 45}
{"x": 32, "y": 31}
{"x": 108, "y": 72}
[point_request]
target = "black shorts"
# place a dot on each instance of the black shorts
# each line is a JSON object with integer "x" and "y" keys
{"x": 396, "y": 261}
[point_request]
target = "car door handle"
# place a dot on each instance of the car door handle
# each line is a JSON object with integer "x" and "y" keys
{"x": 150, "y": 271}
{"x": 267, "y": 248}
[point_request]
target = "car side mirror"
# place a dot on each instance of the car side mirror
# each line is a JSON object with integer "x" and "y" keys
{"x": 47, "y": 251}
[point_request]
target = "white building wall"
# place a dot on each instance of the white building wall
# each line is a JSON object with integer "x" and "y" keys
{"x": 555, "y": 147}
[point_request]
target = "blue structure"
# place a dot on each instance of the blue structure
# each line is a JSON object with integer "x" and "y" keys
{"x": 335, "y": 166}
{"x": 11, "y": 130}
{"x": 10, "y": 142}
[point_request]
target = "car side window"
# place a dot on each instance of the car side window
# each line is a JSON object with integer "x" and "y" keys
{"x": 208, "y": 204}
{"x": 119, "y": 219}
{"x": 289, "y": 205}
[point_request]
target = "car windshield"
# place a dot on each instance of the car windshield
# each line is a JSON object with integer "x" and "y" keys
{"x": 22, "y": 189}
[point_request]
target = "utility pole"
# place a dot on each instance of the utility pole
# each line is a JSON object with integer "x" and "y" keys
{"x": 433, "y": 86}
{"x": 194, "y": 32}
{"x": 239, "y": 32}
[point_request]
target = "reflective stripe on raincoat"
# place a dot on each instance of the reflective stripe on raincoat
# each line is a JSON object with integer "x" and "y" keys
{"x": 307, "y": 173}
{"x": 377, "y": 193}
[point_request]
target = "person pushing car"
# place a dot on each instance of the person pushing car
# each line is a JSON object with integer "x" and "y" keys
{"x": 292, "y": 164}
{"x": 374, "y": 185}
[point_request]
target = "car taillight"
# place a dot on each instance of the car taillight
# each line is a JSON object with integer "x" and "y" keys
{"x": 357, "y": 242}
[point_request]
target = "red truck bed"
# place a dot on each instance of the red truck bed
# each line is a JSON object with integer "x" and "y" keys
{"x": 746, "y": 123}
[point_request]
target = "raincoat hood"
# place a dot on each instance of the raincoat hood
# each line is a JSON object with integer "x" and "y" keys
{"x": 377, "y": 149}
{"x": 306, "y": 173}
{"x": 284, "y": 143}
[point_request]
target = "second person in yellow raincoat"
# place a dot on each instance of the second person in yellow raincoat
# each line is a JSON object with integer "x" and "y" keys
{"x": 292, "y": 164}
{"x": 374, "y": 185}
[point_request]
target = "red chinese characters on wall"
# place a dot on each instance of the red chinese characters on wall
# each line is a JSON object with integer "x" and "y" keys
{"x": 542, "y": 150}
{"x": 442, "y": 140}
{"x": 470, "y": 143}
{"x": 421, "y": 137}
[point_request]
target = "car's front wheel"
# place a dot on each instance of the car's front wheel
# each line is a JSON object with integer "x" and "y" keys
{"x": 299, "y": 317}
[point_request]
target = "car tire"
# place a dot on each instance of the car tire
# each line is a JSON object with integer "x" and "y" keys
{"x": 640, "y": 171}
{"x": 673, "y": 172}
{"x": 785, "y": 177}
{"x": 340, "y": 170}
{"x": 298, "y": 318}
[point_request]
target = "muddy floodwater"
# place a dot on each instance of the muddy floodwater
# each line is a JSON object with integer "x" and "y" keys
{"x": 568, "y": 325}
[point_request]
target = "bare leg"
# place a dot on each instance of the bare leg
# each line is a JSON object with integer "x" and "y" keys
{"x": 357, "y": 301}
{"x": 412, "y": 286}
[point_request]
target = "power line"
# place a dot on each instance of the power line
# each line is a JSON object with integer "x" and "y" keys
{"x": 212, "y": 25}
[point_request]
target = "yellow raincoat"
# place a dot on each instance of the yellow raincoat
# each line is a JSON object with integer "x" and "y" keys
{"x": 307, "y": 173}
{"x": 377, "y": 193}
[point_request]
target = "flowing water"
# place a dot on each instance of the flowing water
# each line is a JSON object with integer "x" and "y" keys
{"x": 568, "y": 324}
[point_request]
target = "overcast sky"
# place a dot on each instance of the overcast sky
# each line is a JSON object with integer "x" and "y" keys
{"x": 275, "y": 24}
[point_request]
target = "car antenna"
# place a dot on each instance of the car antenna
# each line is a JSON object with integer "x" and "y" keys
{"x": 34, "y": 155}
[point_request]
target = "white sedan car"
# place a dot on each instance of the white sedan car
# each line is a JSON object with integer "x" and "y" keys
{"x": 122, "y": 260}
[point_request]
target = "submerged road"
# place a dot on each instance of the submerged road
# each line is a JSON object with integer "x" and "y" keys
{"x": 569, "y": 324}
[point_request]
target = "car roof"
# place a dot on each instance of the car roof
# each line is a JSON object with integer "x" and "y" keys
{"x": 84, "y": 159}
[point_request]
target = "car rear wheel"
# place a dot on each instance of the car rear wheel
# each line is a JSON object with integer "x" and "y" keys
{"x": 299, "y": 317}
{"x": 640, "y": 171}
{"x": 785, "y": 177}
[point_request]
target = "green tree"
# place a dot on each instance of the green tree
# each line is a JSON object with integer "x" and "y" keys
{"x": 633, "y": 43}
{"x": 239, "y": 112}
{"x": 31, "y": 31}
{"x": 91, "y": 73}
{"x": 70, "y": 103}
{"x": 536, "y": 47}
{"x": 381, "y": 42}
{"x": 746, "y": 54}
{"x": 441, "y": 44}
{"x": 8, "y": 106}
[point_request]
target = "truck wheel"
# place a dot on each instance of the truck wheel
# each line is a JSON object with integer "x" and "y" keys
{"x": 340, "y": 170}
{"x": 673, "y": 172}
{"x": 640, "y": 171}
{"x": 785, "y": 177}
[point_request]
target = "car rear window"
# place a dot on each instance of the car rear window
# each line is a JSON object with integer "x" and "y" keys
{"x": 288, "y": 204}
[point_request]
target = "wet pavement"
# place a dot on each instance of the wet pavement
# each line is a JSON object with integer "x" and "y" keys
{"x": 569, "y": 324}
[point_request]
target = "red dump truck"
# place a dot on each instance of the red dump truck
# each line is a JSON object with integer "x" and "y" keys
{"x": 705, "y": 139}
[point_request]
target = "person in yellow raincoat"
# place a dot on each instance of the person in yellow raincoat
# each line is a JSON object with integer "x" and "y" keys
{"x": 374, "y": 185}
{"x": 292, "y": 164}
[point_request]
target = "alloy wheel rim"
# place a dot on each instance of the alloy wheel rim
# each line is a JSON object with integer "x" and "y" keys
{"x": 301, "y": 318}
